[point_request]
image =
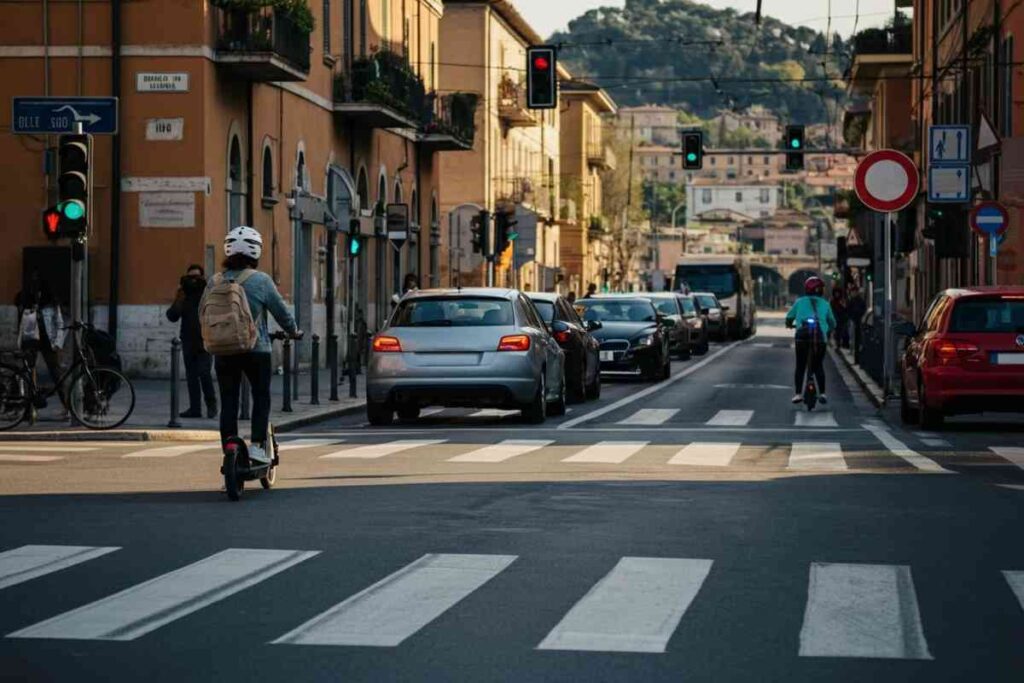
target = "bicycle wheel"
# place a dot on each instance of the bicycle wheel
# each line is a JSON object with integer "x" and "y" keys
{"x": 14, "y": 400}
{"x": 101, "y": 398}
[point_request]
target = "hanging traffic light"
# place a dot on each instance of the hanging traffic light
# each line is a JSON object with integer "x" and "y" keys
{"x": 795, "y": 145}
{"x": 541, "y": 77}
{"x": 693, "y": 150}
{"x": 73, "y": 184}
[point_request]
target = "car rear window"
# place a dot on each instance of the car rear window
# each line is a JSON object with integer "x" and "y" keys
{"x": 707, "y": 301}
{"x": 688, "y": 307}
{"x": 546, "y": 309}
{"x": 454, "y": 312}
{"x": 988, "y": 315}
{"x": 665, "y": 306}
{"x": 617, "y": 310}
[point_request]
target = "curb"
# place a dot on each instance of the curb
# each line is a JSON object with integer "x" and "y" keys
{"x": 164, "y": 434}
{"x": 871, "y": 389}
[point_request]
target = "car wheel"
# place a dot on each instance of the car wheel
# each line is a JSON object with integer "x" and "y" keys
{"x": 379, "y": 414}
{"x": 594, "y": 389}
{"x": 408, "y": 412}
{"x": 907, "y": 414}
{"x": 557, "y": 407}
{"x": 666, "y": 369}
{"x": 579, "y": 386}
{"x": 927, "y": 417}
{"x": 704, "y": 347}
{"x": 536, "y": 411}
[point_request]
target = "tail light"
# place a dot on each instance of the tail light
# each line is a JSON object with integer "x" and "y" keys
{"x": 946, "y": 352}
{"x": 563, "y": 337}
{"x": 514, "y": 342}
{"x": 385, "y": 344}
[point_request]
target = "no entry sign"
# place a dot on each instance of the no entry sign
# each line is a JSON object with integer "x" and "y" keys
{"x": 989, "y": 218}
{"x": 886, "y": 180}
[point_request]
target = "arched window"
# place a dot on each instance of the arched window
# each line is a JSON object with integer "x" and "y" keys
{"x": 268, "y": 173}
{"x": 398, "y": 191}
{"x": 300, "y": 171}
{"x": 235, "y": 187}
{"x": 363, "y": 190}
{"x": 435, "y": 215}
{"x": 382, "y": 192}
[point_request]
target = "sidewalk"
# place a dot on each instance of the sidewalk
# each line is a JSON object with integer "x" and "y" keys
{"x": 149, "y": 420}
{"x": 871, "y": 388}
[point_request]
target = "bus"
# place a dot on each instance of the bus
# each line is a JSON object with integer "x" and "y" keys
{"x": 729, "y": 279}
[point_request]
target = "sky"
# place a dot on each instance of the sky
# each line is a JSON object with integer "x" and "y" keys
{"x": 547, "y": 16}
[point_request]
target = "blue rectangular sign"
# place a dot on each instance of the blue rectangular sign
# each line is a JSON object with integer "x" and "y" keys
{"x": 42, "y": 115}
{"x": 949, "y": 145}
{"x": 949, "y": 184}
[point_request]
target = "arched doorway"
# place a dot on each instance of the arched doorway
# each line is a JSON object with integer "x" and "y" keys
{"x": 235, "y": 185}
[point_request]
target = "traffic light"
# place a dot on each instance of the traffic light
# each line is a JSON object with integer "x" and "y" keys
{"x": 541, "y": 77}
{"x": 51, "y": 223}
{"x": 693, "y": 150}
{"x": 74, "y": 155}
{"x": 355, "y": 239}
{"x": 947, "y": 225}
{"x": 479, "y": 226}
{"x": 795, "y": 144}
{"x": 504, "y": 230}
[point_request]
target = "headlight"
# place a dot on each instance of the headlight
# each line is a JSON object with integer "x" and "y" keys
{"x": 644, "y": 341}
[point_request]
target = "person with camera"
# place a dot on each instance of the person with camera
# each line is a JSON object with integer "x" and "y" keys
{"x": 198, "y": 363}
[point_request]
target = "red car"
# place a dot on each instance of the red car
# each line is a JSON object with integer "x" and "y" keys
{"x": 967, "y": 356}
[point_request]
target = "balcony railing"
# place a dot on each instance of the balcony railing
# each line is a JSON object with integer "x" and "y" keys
{"x": 884, "y": 41}
{"x": 382, "y": 92}
{"x": 450, "y": 123}
{"x": 601, "y": 156}
{"x": 262, "y": 44}
{"x": 512, "y": 104}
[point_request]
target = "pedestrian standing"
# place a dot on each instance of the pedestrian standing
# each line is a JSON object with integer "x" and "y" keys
{"x": 198, "y": 363}
{"x": 856, "y": 307}
{"x": 40, "y": 323}
{"x": 839, "y": 309}
{"x": 571, "y": 298}
{"x": 591, "y": 289}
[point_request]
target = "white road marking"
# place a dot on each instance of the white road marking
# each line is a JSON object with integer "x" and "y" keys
{"x": 764, "y": 345}
{"x": 401, "y": 604}
{"x": 611, "y": 452}
{"x": 31, "y": 561}
{"x": 307, "y": 443}
{"x": 494, "y": 412}
{"x": 901, "y": 450}
{"x": 936, "y": 443}
{"x": 16, "y": 448}
{"x": 731, "y": 418}
{"x": 650, "y": 416}
{"x": 634, "y": 397}
{"x": 148, "y": 606}
{"x": 500, "y": 452}
{"x": 636, "y": 607}
{"x": 816, "y": 456}
{"x": 1016, "y": 581}
{"x": 812, "y": 419}
{"x": 171, "y": 451}
{"x": 862, "y": 610}
{"x": 752, "y": 386}
{"x": 429, "y": 412}
{"x": 707, "y": 454}
{"x": 1014, "y": 455}
{"x": 380, "y": 450}
{"x": 30, "y": 458}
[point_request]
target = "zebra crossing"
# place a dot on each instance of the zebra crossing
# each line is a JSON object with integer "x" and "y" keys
{"x": 850, "y": 610}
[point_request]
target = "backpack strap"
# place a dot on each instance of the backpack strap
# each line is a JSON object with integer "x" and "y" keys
{"x": 246, "y": 274}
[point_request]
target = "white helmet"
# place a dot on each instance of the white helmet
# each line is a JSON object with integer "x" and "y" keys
{"x": 244, "y": 240}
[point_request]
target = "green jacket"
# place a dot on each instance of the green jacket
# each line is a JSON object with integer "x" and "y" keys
{"x": 812, "y": 307}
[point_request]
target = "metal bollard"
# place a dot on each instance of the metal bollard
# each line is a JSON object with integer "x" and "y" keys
{"x": 243, "y": 412}
{"x": 314, "y": 373}
{"x": 353, "y": 356}
{"x": 332, "y": 354}
{"x": 175, "y": 381}
{"x": 286, "y": 361}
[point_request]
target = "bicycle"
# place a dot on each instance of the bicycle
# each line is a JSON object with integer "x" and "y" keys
{"x": 811, "y": 392}
{"x": 98, "y": 397}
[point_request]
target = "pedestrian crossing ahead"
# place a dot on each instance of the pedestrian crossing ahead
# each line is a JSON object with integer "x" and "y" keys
{"x": 635, "y": 604}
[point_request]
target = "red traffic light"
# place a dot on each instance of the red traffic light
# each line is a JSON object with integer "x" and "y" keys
{"x": 51, "y": 223}
{"x": 541, "y": 63}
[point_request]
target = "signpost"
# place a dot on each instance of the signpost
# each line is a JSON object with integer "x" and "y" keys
{"x": 43, "y": 115}
{"x": 887, "y": 181}
{"x": 990, "y": 219}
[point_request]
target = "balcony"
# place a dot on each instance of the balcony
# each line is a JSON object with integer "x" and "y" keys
{"x": 602, "y": 157}
{"x": 597, "y": 228}
{"x": 262, "y": 44}
{"x": 382, "y": 92}
{"x": 450, "y": 124}
{"x": 512, "y": 104}
{"x": 887, "y": 41}
{"x": 877, "y": 53}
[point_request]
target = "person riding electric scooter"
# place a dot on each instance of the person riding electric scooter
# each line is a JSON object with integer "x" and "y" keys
{"x": 810, "y": 338}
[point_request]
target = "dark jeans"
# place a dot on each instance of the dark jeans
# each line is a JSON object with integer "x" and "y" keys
{"x": 257, "y": 368}
{"x": 199, "y": 373}
{"x": 803, "y": 352}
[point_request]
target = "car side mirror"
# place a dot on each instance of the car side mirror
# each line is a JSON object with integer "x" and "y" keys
{"x": 725, "y": 308}
{"x": 558, "y": 326}
{"x": 665, "y": 321}
{"x": 592, "y": 325}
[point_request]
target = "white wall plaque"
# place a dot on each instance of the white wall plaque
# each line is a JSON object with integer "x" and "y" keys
{"x": 165, "y": 129}
{"x": 161, "y": 82}
{"x": 167, "y": 209}
{"x": 166, "y": 184}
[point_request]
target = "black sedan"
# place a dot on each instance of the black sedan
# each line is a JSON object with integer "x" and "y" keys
{"x": 715, "y": 312}
{"x": 582, "y": 361}
{"x": 696, "y": 321}
{"x": 681, "y": 340}
{"x": 633, "y": 336}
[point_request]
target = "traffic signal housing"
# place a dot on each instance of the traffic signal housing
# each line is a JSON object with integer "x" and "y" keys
{"x": 947, "y": 225}
{"x": 504, "y": 230}
{"x": 479, "y": 227}
{"x": 355, "y": 239}
{"x": 541, "y": 77}
{"x": 74, "y": 154}
{"x": 795, "y": 145}
{"x": 693, "y": 150}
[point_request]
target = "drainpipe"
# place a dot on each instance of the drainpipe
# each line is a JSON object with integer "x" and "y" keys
{"x": 250, "y": 209}
{"x": 115, "y": 172}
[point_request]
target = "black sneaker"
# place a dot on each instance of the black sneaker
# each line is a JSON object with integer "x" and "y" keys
{"x": 191, "y": 414}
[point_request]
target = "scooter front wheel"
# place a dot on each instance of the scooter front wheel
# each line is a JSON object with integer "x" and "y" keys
{"x": 271, "y": 477}
{"x": 234, "y": 481}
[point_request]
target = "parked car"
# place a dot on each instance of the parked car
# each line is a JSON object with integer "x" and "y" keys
{"x": 967, "y": 356}
{"x": 696, "y": 321}
{"x": 633, "y": 337}
{"x": 480, "y": 347}
{"x": 715, "y": 312}
{"x": 679, "y": 335}
{"x": 582, "y": 351}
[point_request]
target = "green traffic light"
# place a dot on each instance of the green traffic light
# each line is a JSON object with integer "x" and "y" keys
{"x": 691, "y": 157}
{"x": 354, "y": 246}
{"x": 72, "y": 210}
{"x": 794, "y": 143}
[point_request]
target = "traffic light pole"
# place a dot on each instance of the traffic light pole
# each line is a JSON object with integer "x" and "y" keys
{"x": 78, "y": 251}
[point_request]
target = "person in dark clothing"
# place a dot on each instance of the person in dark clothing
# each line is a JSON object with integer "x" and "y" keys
{"x": 855, "y": 310}
{"x": 36, "y": 298}
{"x": 839, "y": 308}
{"x": 198, "y": 363}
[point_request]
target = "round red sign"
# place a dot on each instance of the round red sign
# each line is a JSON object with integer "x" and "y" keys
{"x": 886, "y": 180}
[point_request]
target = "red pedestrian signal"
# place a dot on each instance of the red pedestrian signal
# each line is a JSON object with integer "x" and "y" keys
{"x": 51, "y": 223}
{"x": 541, "y": 77}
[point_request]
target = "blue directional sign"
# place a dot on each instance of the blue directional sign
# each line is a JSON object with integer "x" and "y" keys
{"x": 949, "y": 184}
{"x": 42, "y": 115}
{"x": 949, "y": 145}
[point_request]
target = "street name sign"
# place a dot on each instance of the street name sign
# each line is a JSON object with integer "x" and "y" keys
{"x": 949, "y": 184}
{"x": 43, "y": 115}
{"x": 886, "y": 180}
{"x": 990, "y": 219}
{"x": 949, "y": 145}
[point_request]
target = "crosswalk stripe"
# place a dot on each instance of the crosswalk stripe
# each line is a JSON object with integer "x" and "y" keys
{"x": 17, "y": 448}
{"x": 399, "y": 605}
{"x": 816, "y": 456}
{"x": 650, "y": 416}
{"x": 812, "y": 419}
{"x": 1014, "y": 455}
{"x": 31, "y": 561}
{"x": 1016, "y": 581}
{"x": 862, "y": 610}
{"x": 380, "y": 450}
{"x": 636, "y": 607}
{"x": 170, "y": 451}
{"x": 148, "y": 606}
{"x": 429, "y": 412}
{"x": 936, "y": 443}
{"x": 611, "y": 452}
{"x": 708, "y": 454}
{"x": 30, "y": 458}
{"x": 299, "y": 444}
{"x": 731, "y": 418}
{"x": 500, "y": 452}
{"x": 901, "y": 450}
{"x": 493, "y": 412}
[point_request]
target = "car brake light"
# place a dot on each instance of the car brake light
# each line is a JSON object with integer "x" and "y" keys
{"x": 949, "y": 352}
{"x": 563, "y": 337}
{"x": 515, "y": 342}
{"x": 383, "y": 344}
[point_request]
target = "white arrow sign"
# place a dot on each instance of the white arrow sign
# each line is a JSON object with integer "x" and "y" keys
{"x": 91, "y": 118}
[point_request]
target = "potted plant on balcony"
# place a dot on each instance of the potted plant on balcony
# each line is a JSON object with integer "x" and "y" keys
{"x": 296, "y": 11}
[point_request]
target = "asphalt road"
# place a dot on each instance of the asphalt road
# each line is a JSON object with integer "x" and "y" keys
{"x": 702, "y": 529}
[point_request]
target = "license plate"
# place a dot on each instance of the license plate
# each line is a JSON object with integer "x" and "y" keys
{"x": 1009, "y": 358}
{"x": 607, "y": 356}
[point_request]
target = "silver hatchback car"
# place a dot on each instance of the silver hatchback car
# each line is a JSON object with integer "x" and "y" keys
{"x": 469, "y": 347}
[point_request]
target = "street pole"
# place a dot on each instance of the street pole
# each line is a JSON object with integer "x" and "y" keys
{"x": 887, "y": 341}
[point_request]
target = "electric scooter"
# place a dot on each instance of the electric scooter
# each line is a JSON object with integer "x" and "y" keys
{"x": 238, "y": 468}
{"x": 811, "y": 384}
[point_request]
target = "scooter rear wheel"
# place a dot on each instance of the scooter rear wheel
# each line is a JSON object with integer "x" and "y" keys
{"x": 234, "y": 481}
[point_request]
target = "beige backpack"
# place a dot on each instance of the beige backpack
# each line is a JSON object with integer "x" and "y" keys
{"x": 227, "y": 324}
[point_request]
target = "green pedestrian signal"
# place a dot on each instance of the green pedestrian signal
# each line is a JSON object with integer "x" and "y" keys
{"x": 355, "y": 245}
